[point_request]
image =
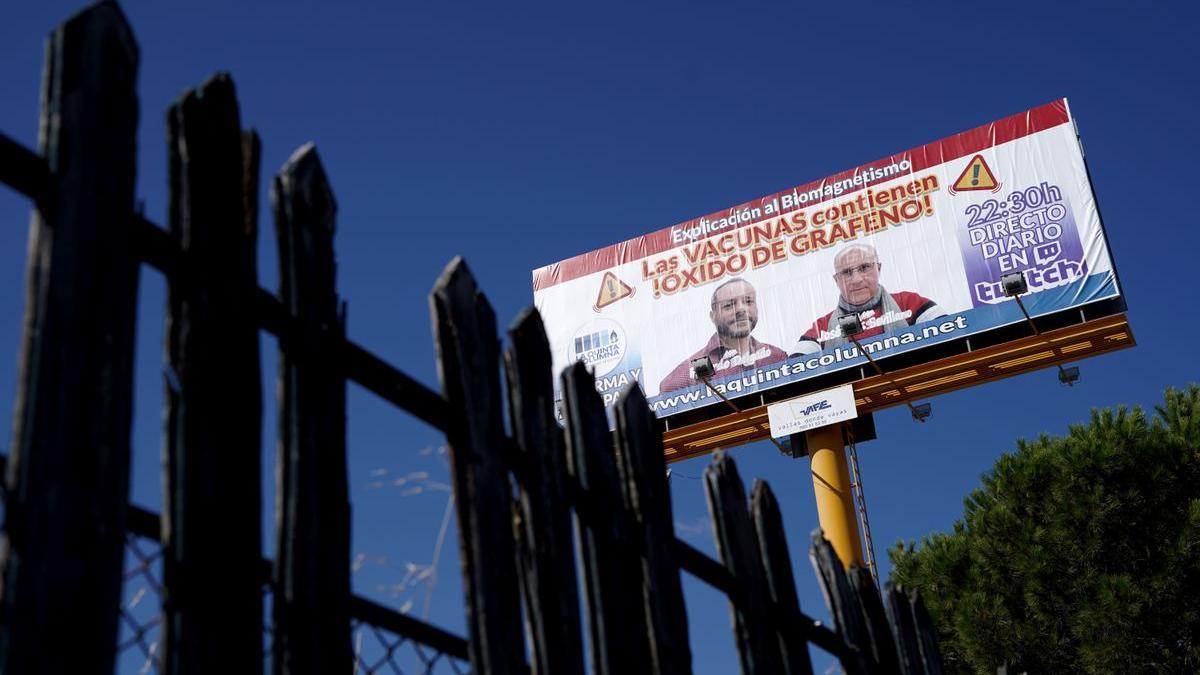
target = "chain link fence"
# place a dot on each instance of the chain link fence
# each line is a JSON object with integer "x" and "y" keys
{"x": 377, "y": 650}
{"x": 140, "y": 636}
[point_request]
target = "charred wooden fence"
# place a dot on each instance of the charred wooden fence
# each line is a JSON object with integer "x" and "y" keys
{"x": 73, "y": 548}
{"x": 610, "y": 487}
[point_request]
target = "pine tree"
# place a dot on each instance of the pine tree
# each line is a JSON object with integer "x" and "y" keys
{"x": 1079, "y": 553}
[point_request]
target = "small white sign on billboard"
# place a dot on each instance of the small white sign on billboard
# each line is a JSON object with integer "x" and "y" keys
{"x": 812, "y": 411}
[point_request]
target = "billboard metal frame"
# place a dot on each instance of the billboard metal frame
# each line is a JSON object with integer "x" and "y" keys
{"x": 1004, "y": 357}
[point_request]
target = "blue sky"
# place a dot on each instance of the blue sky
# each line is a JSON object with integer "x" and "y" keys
{"x": 520, "y": 135}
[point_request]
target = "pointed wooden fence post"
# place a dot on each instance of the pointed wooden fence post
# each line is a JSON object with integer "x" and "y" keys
{"x": 68, "y": 473}
{"x": 469, "y": 368}
{"x": 211, "y": 532}
{"x": 611, "y": 559}
{"x": 882, "y": 642}
{"x": 758, "y": 648}
{"x": 543, "y": 526}
{"x": 904, "y": 629}
{"x": 781, "y": 584}
{"x": 843, "y": 605}
{"x": 931, "y": 655}
{"x": 312, "y": 589}
{"x": 643, "y": 474}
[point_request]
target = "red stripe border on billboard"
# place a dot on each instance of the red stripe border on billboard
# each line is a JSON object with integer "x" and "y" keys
{"x": 931, "y": 154}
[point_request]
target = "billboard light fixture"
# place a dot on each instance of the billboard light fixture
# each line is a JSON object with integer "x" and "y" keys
{"x": 1068, "y": 376}
{"x": 850, "y": 325}
{"x": 1014, "y": 284}
{"x": 921, "y": 411}
{"x": 703, "y": 370}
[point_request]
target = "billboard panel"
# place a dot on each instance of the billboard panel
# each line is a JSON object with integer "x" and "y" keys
{"x": 915, "y": 244}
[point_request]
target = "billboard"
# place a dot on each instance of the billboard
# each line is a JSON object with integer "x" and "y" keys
{"x": 915, "y": 244}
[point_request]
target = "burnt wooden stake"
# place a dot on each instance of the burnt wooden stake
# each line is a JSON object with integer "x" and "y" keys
{"x": 469, "y": 368}
{"x": 648, "y": 498}
{"x": 543, "y": 527}
{"x": 843, "y": 606}
{"x": 931, "y": 656}
{"x": 611, "y": 556}
{"x": 758, "y": 649}
{"x": 781, "y": 585}
{"x": 68, "y": 474}
{"x": 311, "y": 603}
{"x": 211, "y": 536}
{"x": 882, "y": 643}
{"x": 904, "y": 630}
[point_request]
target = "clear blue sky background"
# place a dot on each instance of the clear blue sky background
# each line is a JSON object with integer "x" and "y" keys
{"x": 517, "y": 135}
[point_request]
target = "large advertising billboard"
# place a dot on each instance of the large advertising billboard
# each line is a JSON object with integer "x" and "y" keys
{"x": 915, "y": 244}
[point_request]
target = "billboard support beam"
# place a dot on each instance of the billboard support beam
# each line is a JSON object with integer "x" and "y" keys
{"x": 875, "y": 393}
{"x": 831, "y": 483}
{"x": 703, "y": 368}
{"x": 1014, "y": 285}
{"x": 851, "y": 327}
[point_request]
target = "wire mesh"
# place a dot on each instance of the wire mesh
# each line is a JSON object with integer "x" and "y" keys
{"x": 139, "y": 636}
{"x": 377, "y": 650}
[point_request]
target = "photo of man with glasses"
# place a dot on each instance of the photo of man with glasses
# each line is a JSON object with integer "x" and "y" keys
{"x": 856, "y": 270}
{"x": 734, "y": 313}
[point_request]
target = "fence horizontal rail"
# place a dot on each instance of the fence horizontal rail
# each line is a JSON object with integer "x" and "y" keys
{"x": 377, "y": 615}
{"x": 704, "y": 568}
{"x": 143, "y": 523}
{"x": 713, "y": 573}
{"x": 26, "y": 172}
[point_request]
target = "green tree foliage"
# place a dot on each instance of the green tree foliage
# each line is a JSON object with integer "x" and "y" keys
{"x": 1080, "y": 553}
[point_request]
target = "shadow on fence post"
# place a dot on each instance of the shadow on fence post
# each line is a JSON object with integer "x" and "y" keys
{"x": 881, "y": 641}
{"x": 469, "y": 368}
{"x": 931, "y": 655}
{"x": 900, "y": 618}
{"x": 542, "y": 529}
{"x": 842, "y": 600}
{"x": 611, "y": 558}
{"x": 69, "y": 469}
{"x": 643, "y": 472}
{"x": 311, "y": 604}
{"x": 211, "y": 538}
{"x": 758, "y": 649}
{"x": 777, "y": 567}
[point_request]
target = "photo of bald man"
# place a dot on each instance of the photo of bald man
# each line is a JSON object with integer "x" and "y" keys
{"x": 734, "y": 313}
{"x": 856, "y": 271}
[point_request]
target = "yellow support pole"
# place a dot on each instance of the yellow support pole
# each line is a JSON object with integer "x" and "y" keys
{"x": 835, "y": 503}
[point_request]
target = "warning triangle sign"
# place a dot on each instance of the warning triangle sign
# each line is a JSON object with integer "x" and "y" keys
{"x": 612, "y": 289}
{"x": 977, "y": 176}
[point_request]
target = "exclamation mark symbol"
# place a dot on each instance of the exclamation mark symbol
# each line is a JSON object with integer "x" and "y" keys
{"x": 975, "y": 173}
{"x": 612, "y": 288}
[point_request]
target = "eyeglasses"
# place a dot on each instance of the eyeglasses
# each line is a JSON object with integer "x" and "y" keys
{"x": 863, "y": 270}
